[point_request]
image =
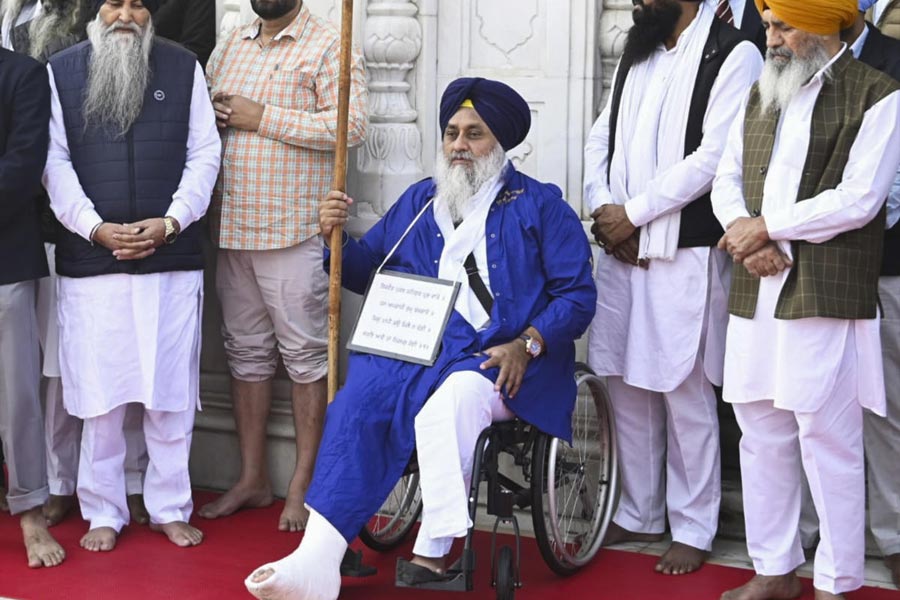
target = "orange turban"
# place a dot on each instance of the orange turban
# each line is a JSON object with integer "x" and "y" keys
{"x": 822, "y": 17}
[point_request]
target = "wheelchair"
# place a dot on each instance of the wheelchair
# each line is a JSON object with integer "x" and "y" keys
{"x": 570, "y": 490}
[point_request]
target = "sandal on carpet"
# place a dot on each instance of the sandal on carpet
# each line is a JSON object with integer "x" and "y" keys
{"x": 411, "y": 575}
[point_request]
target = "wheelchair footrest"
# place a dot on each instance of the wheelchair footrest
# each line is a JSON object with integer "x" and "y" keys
{"x": 352, "y": 565}
{"x": 410, "y": 575}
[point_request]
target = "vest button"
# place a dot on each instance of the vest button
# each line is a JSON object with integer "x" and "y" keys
{"x": 763, "y": 170}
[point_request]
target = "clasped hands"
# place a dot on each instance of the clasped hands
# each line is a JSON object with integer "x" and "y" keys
{"x": 133, "y": 241}
{"x": 615, "y": 233}
{"x": 747, "y": 241}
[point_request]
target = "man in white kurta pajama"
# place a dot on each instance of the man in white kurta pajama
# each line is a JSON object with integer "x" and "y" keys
{"x": 801, "y": 189}
{"x": 658, "y": 333}
{"x": 130, "y": 295}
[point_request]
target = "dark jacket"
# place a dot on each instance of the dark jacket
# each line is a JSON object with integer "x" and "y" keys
{"x": 751, "y": 25}
{"x": 883, "y": 53}
{"x": 132, "y": 177}
{"x": 24, "y": 122}
{"x": 191, "y": 23}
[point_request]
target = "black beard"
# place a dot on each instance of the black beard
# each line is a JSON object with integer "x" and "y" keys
{"x": 273, "y": 9}
{"x": 653, "y": 25}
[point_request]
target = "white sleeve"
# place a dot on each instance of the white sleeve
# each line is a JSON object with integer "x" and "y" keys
{"x": 687, "y": 180}
{"x": 870, "y": 171}
{"x": 204, "y": 150}
{"x": 728, "y": 201}
{"x": 596, "y": 157}
{"x": 67, "y": 198}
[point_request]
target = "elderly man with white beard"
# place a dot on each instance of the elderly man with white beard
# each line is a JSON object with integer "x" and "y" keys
{"x": 507, "y": 348}
{"x": 134, "y": 154}
{"x": 801, "y": 191}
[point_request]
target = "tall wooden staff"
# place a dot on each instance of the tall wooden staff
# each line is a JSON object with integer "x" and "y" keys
{"x": 339, "y": 183}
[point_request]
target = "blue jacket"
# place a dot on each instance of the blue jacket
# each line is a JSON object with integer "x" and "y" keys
{"x": 540, "y": 274}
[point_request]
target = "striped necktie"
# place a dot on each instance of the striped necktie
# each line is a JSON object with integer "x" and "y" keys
{"x": 723, "y": 11}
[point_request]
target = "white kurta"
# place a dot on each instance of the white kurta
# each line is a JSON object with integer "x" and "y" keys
{"x": 799, "y": 363}
{"x": 649, "y": 322}
{"x": 132, "y": 338}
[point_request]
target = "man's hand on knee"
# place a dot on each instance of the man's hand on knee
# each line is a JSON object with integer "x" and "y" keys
{"x": 512, "y": 358}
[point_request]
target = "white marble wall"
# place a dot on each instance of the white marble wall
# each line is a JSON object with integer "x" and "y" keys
{"x": 558, "y": 54}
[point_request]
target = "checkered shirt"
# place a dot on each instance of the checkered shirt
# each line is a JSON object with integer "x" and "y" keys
{"x": 272, "y": 179}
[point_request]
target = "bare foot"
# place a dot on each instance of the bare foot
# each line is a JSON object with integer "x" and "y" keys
{"x": 681, "y": 559}
{"x": 767, "y": 587}
{"x": 137, "y": 509}
{"x": 100, "y": 539}
{"x": 294, "y": 515}
{"x": 42, "y": 549}
{"x": 619, "y": 535}
{"x": 238, "y": 497}
{"x": 4, "y": 505}
{"x": 892, "y": 562}
{"x": 179, "y": 533}
{"x": 57, "y": 507}
{"x": 823, "y": 595}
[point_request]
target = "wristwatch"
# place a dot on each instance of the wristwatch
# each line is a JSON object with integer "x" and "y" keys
{"x": 532, "y": 345}
{"x": 171, "y": 232}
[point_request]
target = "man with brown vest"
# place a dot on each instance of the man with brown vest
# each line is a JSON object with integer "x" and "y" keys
{"x": 801, "y": 191}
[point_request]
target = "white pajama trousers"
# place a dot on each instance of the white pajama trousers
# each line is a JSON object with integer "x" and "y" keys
{"x": 668, "y": 445}
{"x": 101, "y": 475}
{"x": 776, "y": 447}
{"x": 447, "y": 429}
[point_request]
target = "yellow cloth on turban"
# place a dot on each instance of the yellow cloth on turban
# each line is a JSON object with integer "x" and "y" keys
{"x": 822, "y": 17}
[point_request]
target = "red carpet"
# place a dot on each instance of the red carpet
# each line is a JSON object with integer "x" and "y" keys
{"x": 145, "y": 565}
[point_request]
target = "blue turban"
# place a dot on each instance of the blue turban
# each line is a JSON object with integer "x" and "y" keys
{"x": 865, "y": 5}
{"x": 150, "y": 5}
{"x": 502, "y": 108}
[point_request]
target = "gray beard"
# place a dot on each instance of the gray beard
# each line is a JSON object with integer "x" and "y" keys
{"x": 10, "y": 9}
{"x": 456, "y": 185}
{"x": 117, "y": 77}
{"x": 52, "y": 25}
{"x": 779, "y": 83}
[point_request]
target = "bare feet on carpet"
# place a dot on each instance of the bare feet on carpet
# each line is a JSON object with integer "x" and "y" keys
{"x": 137, "y": 509}
{"x": 99, "y": 539}
{"x": 681, "y": 559}
{"x": 619, "y": 535}
{"x": 240, "y": 496}
{"x": 4, "y": 505}
{"x": 763, "y": 587}
{"x": 294, "y": 515}
{"x": 179, "y": 533}
{"x": 42, "y": 549}
{"x": 57, "y": 507}
{"x": 892, "y": 562}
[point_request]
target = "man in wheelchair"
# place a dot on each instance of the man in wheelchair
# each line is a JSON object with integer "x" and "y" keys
{"x": 522, "y": 260}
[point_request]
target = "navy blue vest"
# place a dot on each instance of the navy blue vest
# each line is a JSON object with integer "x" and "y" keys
{"x": 133, "y": 177}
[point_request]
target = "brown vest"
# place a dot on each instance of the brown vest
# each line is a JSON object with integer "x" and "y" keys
{"x": 889, "y": 20}
{"x": 838, "y": 278}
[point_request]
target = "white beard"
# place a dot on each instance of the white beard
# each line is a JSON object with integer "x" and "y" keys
{"x": 779, "y": 83}
{"x": 456, "y": 185}
{"x": 118, "y": 75}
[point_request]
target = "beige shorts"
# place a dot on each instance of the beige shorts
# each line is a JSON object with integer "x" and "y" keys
{"x": 274, "y": 301}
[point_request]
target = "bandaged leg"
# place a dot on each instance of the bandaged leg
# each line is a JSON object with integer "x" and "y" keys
{"x": 101, "y": 480}
{"x": 447, "y": 429}
{"x": 311, "y": 572}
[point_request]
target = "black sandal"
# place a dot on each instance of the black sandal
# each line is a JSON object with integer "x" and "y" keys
{"x": 412, "y": 575}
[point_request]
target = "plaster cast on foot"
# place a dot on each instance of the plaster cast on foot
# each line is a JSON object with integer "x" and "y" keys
{"x": 311, "y": 572}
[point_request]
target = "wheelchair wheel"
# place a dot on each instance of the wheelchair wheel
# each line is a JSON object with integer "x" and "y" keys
{"x": 390, "y": 526}
{"x": 574, "y": 489}
{"x": 506, "y": 577}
